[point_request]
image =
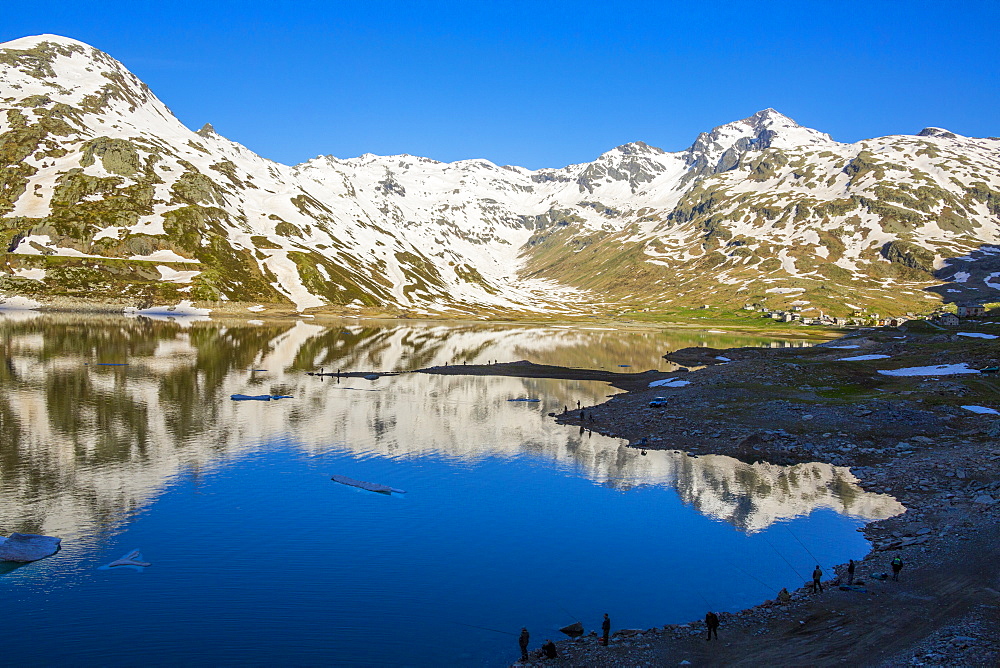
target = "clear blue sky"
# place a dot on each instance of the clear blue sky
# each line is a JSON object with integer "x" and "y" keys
{"x": 540, "y": 84}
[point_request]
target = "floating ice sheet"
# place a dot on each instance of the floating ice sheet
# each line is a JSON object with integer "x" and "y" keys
{"x": 982, "y": 410}
{"x": 670, "y": 382}
{"x": 259, "y": 397}
{"x": 25, "y": 547}
{"x": 132, "y": 561}
{"x": 361, "y": 484}
{"x": 939, "y": 370}
{"x": 862, "y": 358}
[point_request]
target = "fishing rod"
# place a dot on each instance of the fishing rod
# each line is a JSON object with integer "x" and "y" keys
{"x": 801, "y": 543}
{"x": 782, "y": 557}
{"x": 570, "y": 614}
{"x": 751, "y": 575}
{"x": 484, "y": 628}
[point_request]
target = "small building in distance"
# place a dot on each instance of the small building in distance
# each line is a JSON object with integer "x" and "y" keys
{"x": 948, "y": 320}
{"x": 971, "y": 310}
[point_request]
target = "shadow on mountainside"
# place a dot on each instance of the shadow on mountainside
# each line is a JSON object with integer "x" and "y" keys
{"x": 972, "y": 278}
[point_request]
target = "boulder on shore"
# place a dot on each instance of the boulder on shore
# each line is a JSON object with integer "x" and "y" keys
{"x": 574, "y": 630}
{"x": 25, "y": 547}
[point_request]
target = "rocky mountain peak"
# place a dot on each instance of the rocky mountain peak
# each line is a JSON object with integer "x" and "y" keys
{"x": 937, "y": 132}
{"x": 634, "y": 148}
{"x": 768, "y": 117}
{"x": 720, "y": 150}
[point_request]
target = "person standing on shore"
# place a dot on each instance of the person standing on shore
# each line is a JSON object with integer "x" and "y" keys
{"x": 850, "y": 572}
{"x": 817, "y": 579}
{"x": 897, "y": 566}
{"x": 606, "y": 628}
{"x": 712, "y": 622}
{"x": 522, "y": 640}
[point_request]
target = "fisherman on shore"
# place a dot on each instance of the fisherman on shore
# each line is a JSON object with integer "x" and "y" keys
{"x": 550, "y": 650}
{"x": 606, "y": 628}
{"x": 850, "y": 572}
{"x": 897, "y": 566}
{"x": 712, "y": 623}
{"x": 817, "y": 577}
{"x": 522, "y": 640}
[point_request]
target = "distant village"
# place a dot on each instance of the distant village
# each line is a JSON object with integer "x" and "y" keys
{"x": 860, "y": 319}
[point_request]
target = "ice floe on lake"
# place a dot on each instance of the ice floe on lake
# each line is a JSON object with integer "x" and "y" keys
{"x": 185, "y": 312}
{"x": 939, "y": 370}
{"x": 863, "y": 358}
{"x": 982, "y": 409}
{"x": 25, "y": 547}
{"x": 670, "y": 382}
{"x": 131, "y": 561}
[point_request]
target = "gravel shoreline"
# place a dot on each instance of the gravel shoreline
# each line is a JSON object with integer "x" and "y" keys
{"x": 906, "y": 436}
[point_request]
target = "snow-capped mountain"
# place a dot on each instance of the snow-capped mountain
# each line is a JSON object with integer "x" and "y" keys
{"x": 103, "y": 192}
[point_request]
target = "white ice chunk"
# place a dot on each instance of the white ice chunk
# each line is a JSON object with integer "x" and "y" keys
{"x": 862, "y": 358}
{"x": 25, "y": 547}
{"x": 670, "y": 382}
{"x": 982, "y": 409}
{"x": 939, "y": 370}
{"x": 132, "y": 561}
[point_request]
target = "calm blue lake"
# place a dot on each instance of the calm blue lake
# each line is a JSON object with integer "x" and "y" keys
{"x": 508, "y": 519}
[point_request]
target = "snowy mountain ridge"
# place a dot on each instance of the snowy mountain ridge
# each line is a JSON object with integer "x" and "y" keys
{"x": 103, "y": 189}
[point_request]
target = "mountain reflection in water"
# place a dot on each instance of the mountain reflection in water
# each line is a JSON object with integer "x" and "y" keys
{"x": 118, "y": 434}
{"x": 86, "y": 442}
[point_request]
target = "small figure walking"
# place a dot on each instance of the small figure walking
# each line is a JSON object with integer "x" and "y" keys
{"x": 522, "y": 640}
{"x": 577, "y": 404}
{"x": 897, "y": 566}
{"x": 606, "y": 628}
{"x": 817, "y": 577}
{"x": 712, "y": 622}
{"x": 850, "y": 572}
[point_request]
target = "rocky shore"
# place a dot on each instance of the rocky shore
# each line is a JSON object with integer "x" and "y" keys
{"x": 929, "y": 440}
